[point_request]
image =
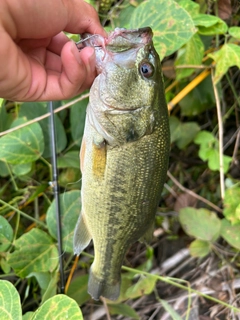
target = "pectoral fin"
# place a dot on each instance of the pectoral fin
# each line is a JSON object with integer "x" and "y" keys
{"x": 82, "y": 237}
{"x": 99, "y": 156}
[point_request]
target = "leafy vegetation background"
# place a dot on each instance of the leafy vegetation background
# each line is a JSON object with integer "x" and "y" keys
{"x": 191, "y": 269}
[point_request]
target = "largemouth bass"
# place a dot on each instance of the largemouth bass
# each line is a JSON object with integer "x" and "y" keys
{"x": 124, "y": 154}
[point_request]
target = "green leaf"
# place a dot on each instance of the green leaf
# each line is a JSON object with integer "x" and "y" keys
{"x": 70, "y": 178}
{"x": 28, "y": 315}
{"x": 171, "y": 24}
{"x": 5, "y": 118}
{"x": 205, "y": 138}
{"x": 198, "y": 100}
{"x": 190, "y": 54}
{"x": 170, "y": 310}
{"x": 43, "y": 278}
{"x": 6, "y": 234}
{"x": 70, "y": 210}
{"x": 32, "y": 110}
{"x": 214, "y": 161}
{"x": 234, "y": 32}
{"x": 21, "y": 169}
{"x": 74, "y": 37}
{"x": 69, "y": 160}
{"x": 78, "y": 289}
{"x": 200, "y": 223}
{"x": 182, "y": 133}
{"x": 58, "y": 307}
{"x": 5, "y": 266}
{"x": 228, "y": 56}
{"x": 209, "y": 151}
{"x": 189, "y": 131}
{"x": 77, "y": 120}
{"x": 4, "y": 171}
{"x": 124, "y": 16}
{"x": 210, "y": 25}
{"x": 23, "y": 145}
{"x": 34, "y": 252}
{"x": 126, "y": 283}
{"x": 10, "y": 306}
{"x": 124, "y": 310}
{"x": 199, "y": 248}
{"x": 231, "y": 205}
{"x": 51, "y": 289}
{"x": 47, "y": 282}
{"x": 191, "y": 7}
{"x": 205, "y": 153}
{"x": 231, "y": 233}
{"x": 145, "y": 285}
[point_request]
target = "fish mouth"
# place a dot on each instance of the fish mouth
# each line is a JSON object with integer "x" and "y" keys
{"x": 118, "y": 40}
{"x": 120, "y": 47}
{"x": 129, "y": 38}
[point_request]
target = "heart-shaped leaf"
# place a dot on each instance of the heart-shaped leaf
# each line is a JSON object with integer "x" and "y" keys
{"x": 23, "y": 145}
{"x": 34, "y": 252}
{"x": 231, "y": 233}
{"x": 58, "y": 307}
{"x": 6, "y": 234}
{"x": 172, "y": 25}
{"x": 10, "y": 306}
{"x": 200, "y": 223}
{"x": 199, "y": 248}
{"x": 228, "y": 56}
{"x": 70, "y": 211}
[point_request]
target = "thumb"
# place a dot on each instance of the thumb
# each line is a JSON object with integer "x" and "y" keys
{"x": 78, "y": 69}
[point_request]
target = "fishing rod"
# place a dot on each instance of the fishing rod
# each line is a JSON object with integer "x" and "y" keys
{"x": 55, "y": 187}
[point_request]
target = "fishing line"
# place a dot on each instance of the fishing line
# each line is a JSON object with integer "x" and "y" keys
{"x": 56, "y": 193}
{"x": 58, "y": 257}
{"x": 71, "y": 183}
{"x": 79, "y": 44}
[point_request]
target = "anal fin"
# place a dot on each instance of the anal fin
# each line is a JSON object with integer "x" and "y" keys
{"x": 82, "y": 237}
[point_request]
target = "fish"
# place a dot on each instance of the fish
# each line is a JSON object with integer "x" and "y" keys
{"x": 124, "y": 153}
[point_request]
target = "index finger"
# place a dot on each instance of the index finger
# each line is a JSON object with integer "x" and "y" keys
{"x": 41, "y": 19}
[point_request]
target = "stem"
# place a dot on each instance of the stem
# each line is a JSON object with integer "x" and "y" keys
{"x": 12, "y": 177}
{"x": 17, "y": 226}
{"x": 220, "y": 138}
{"x": 46, "y": 115}
{"x": 192, "y": 193}
{"x": 22, "y": 213}
{"x": 173, "y": 281}
{"x": 49, "y": 166}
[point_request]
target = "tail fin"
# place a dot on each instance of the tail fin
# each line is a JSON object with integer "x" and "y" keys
{"x": 81, "y": 236}
{"x": 98, "y": 288}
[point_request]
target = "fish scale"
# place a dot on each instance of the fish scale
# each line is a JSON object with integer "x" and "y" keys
{"x": 124, "y": 155}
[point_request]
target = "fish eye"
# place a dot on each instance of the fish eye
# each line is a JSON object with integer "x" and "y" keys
{"x": 146, "y": 69}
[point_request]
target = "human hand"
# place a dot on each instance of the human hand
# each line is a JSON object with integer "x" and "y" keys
{"x": 37, "y": 60}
